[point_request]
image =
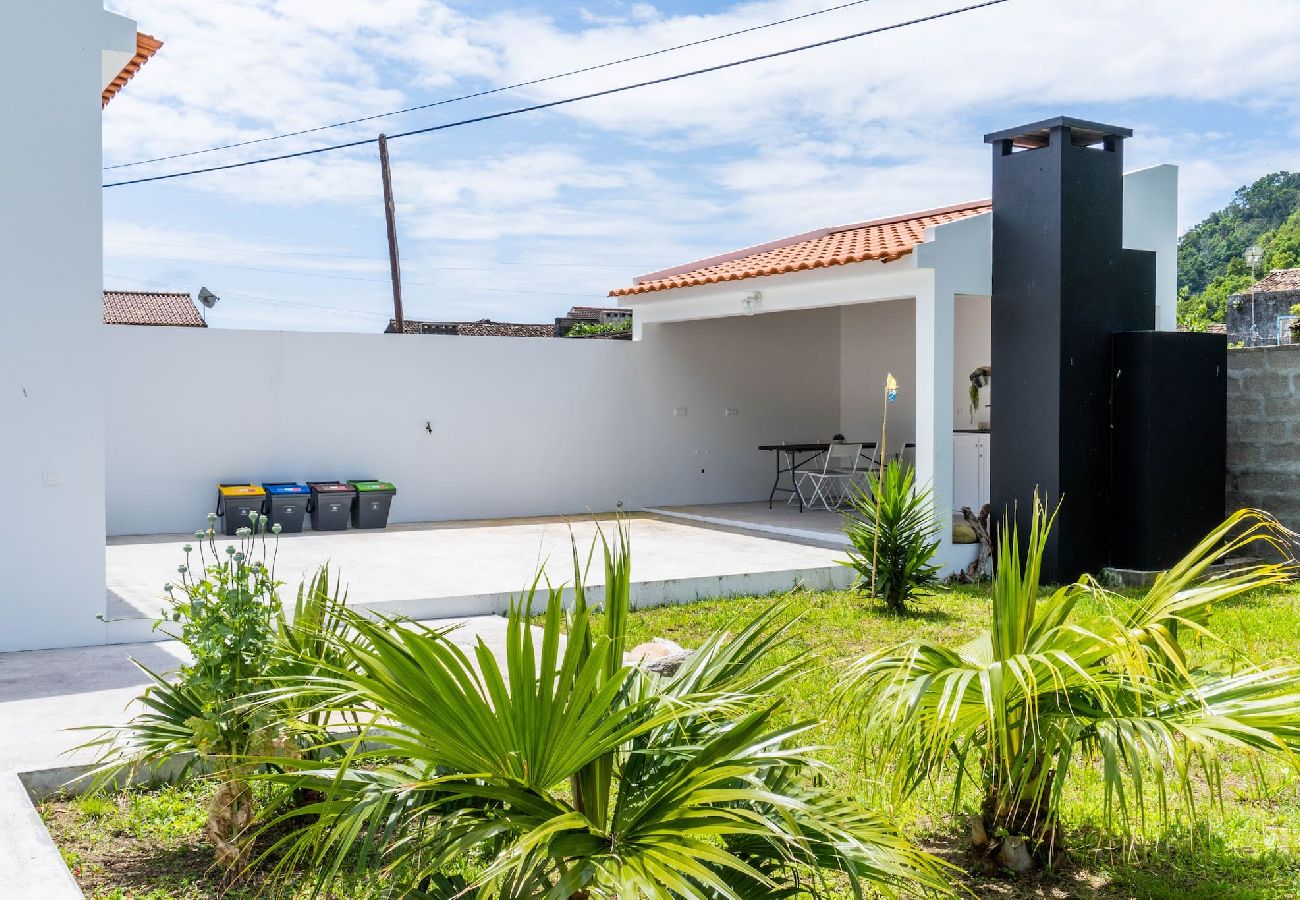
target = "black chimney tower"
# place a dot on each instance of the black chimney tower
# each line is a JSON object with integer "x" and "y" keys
{"x": 1062, "y": 285}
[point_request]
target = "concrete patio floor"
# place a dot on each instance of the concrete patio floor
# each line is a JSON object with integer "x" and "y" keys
{"x": 457, "y": 569}
{"x": 45, "y": 693}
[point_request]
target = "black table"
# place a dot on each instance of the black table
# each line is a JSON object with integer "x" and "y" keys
{"x": 810, "y": 451}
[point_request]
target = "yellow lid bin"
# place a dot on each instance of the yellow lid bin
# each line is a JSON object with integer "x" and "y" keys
{"x": 235, "y": 502}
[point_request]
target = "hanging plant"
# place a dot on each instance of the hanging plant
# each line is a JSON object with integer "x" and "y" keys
{"x": 978, "y": 379}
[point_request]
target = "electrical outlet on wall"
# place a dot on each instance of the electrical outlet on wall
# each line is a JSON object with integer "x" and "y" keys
{"x": 679, "y": 412}
{"x": 731, "y": 411}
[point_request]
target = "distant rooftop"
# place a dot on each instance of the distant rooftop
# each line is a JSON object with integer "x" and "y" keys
{"x": 1277, "y": 280}
{"x": 481, "y": 328}
{"x": 882, "y": 240}
{"x": 151, "y": 308}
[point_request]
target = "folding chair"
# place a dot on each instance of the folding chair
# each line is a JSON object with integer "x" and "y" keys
{"x": 830, "y": 486}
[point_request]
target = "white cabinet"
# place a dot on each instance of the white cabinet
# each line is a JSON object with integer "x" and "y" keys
{"x": 970, "y": 470}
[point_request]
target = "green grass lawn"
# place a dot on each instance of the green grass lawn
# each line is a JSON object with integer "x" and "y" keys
{"x": 149, "y": 845}
{"x": 1248, "y": 849}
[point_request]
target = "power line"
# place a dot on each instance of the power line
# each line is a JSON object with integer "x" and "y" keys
{"x": 333, "y": 277}
{"x": 554, "y": 103}
{"x": 255, "y": 298}
{"x": 489, "y": 92}
{"x": 493, "y": 267}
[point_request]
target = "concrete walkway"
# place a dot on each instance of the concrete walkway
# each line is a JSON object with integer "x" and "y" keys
{"x": 458, "y": 569}
{"x": 44, "y": 693}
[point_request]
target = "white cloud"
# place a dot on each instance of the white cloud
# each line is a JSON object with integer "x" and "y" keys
{"x": 678, "y": 171}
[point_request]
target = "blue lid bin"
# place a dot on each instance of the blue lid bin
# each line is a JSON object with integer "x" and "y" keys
{"x": 286, "y": 504}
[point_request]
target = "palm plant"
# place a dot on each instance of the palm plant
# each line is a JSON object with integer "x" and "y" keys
{"x": 563, "y": 772}
{"x": 1047, "y": 690}
{"x": 894, "y": 535}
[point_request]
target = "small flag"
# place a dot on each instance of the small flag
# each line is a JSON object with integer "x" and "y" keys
{"x": 891, "y": 388}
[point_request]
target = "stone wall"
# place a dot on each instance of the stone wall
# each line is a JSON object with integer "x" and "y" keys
{"x": 1264, "y": 431}
{"x": 1269, "y": 308}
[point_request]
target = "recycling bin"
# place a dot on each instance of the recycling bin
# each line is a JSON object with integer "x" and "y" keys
{"x": 374, "y": 498}
{"x": 235, "y": 502}
{"x": 286, "y": 505}
{"x": 330, "y": 505}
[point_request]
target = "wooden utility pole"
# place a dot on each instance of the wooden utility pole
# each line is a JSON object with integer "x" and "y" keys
{"x": 390, "y": 216}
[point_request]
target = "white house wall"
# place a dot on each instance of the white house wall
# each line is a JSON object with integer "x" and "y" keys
{"x": 519, "y": 426}
{"x": 1151, "y": 223}
{"x": 972, "y": 346}
{"x": 51, "y": 340}
{"x": 877, "y": 339}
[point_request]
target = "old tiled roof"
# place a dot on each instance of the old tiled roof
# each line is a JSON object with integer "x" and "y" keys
{"x": 880, "y": 239}
{"x": 146, "y": 46}
{"x": 481, "y": 328}
{"x": 150, "y": 308}
{"x": 1277, "y": 280}
{"x": 593, "y": 312}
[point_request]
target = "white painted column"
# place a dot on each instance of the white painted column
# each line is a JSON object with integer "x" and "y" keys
{"x": 51, "y": 324}
{"x": 935, "y": 310}
{"x": 1151, "y": 223}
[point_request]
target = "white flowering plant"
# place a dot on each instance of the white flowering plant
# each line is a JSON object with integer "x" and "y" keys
{"x": 225, "y": 608}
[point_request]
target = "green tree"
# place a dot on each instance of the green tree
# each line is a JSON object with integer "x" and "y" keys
{"x": 1205, "y": 251}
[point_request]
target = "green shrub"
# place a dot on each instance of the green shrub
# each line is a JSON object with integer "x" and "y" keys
{"x": 894, "y": 533}
{"x": 618, "y": 326}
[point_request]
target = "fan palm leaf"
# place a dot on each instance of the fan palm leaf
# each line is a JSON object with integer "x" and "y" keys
{"x": 560, "y": 771}
{"x": 1046, "y": 688}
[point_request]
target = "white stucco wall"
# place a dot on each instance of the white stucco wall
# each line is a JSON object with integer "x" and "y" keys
{"x": 972, "y": 348}
{"x": 875, "y": 340}
{"x": 520, "y": 426}
{"x": 51, "y": 339}
{"x": 1151, "y": 223}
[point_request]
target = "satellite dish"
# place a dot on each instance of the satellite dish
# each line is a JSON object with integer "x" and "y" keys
{"x": 207, "y": 298}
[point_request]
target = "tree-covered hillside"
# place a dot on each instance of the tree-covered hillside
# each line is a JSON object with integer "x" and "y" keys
{"x": 1210, "y": 264}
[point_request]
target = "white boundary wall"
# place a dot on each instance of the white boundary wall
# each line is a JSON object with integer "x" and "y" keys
{"x": 519, "y": 426}
{"x": 51, "y": 339}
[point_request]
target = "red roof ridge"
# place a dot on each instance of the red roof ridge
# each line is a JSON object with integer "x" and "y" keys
{"x": 919, "y": 214}
{"x": 146, "y": 45}
{"x": 885, "y": 239}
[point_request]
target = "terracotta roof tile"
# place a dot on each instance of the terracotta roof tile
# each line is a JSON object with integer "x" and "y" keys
{"x": 150, "y": 308}
{"x": 880, "y": 239}
{"x": 146, "y": 46}
{"x": 1277, "y": 280}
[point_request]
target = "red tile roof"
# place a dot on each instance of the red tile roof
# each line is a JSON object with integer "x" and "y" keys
{"x": 146, "y": 46}
{"x": 150, "y": 308}
{"x": 880, "y": 239}
{"x": 1277, "y": 280}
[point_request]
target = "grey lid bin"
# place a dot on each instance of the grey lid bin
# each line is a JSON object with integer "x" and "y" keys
{"x": 374, "y": 500}
{"x": 330, "y": 505}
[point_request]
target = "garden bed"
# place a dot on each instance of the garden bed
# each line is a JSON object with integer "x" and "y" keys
{"x": 149, "y": 843}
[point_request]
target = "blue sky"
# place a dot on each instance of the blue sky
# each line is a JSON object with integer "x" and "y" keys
{"x": 518, "y": 219}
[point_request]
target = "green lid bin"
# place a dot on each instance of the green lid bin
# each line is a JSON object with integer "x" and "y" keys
{"x": 374, "y": 499}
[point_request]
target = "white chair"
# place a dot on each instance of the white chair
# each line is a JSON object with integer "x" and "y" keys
{"x": 841, "y": 467}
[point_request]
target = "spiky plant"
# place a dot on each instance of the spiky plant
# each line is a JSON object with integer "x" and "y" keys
{"x": 894, "y": 536}
{"x": 1048, "y": 690}
{"x": 558, "y": 770}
